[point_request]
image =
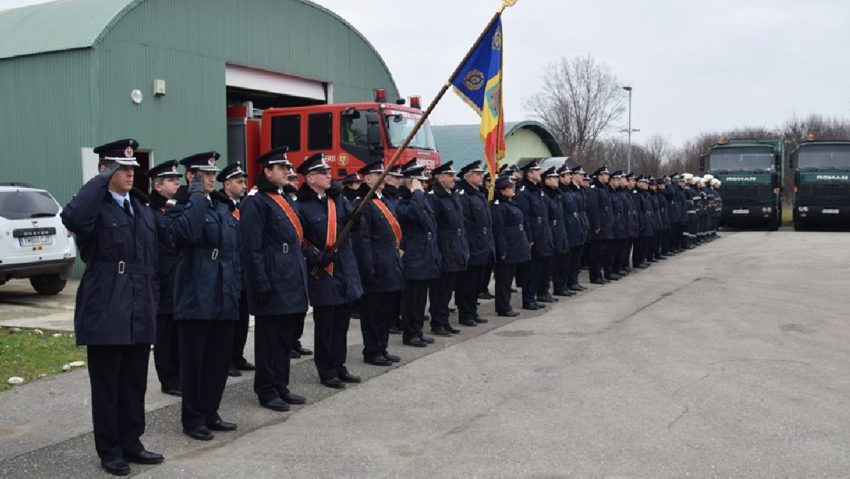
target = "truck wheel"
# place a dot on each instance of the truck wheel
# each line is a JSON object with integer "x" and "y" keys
{"x": 48, "y": 284}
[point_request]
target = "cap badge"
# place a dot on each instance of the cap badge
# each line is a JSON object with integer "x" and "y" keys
{"x": 211, "y": 161}
{"x": 128, "y": 152}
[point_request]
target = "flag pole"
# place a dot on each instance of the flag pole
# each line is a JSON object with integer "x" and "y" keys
{"x": 346, "y": 230}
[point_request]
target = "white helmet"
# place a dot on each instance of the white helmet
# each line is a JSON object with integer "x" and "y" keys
{"x": 716, "y": 183}
{"x": 708, "y": 177}
{"x": 687, "y": 176}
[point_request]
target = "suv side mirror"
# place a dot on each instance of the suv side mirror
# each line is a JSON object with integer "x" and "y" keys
{"x": 373, "y": 130}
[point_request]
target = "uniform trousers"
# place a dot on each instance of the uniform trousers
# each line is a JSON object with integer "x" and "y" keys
{"x": 118, "y": 376}
{"x": 576, "y": 254}
{"x": 376, "y": 317}
{"x": 204, "y": 362}
{"x": 485, "y": 278}
{"x": 273, "y": 340}
{"x": 439, "y": 295}
{"x": 528, "y": 273}
{"x": 561, "y": 271}
{"x": 468, "y": 285}
{"x": 240, "y": 331}
{"x": 596, "y": 258}
{"x": 543, "y": 268}
{"x": 504, "y": 274}
{"x": 414, "y": 298}
{"x": 331, "y": 340}
{"x": 297, "y": 331}
{"x": 166, "y": 352}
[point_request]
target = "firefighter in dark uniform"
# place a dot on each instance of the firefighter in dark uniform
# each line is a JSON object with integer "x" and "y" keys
{"x": 452, "y": 245}
{"x": 116, "y": 305}
{"x": 629, "y": 193}
{"x": 601, "y": 219}
{"x": 560, "y": 261}
{"x": 691, "y": 209}
{"x": 664, "y": 248}
{"x": 621, "y": 234}
{"x": 675, "y": 207}
{"x": 208, "y": 282}
{"x": 276, "y": 278}
{"x": 232, "y": 179}
{"x": 530, "y": 198}
{"x": 484, "y": 291}
{"x": 478, "y": 227}
{"x": 333, "y": 278}
{"x": 511, "y": 242}
{"x": 647, "y": 224}
{"x": 572, "y": 224}
{"x": 389, "y": 190}
{"x": 377, "y": 246}
{"x": 421, "y": 261}
{"x": 579, "y": 194}
{"x": 351, "y": 186}
{"x": 166, "y": 353}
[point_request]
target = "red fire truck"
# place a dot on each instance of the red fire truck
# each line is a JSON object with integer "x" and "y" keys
{"x": 349, "y": 134}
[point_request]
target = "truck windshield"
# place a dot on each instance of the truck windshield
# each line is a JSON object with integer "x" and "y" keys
{"x": 742, "y": 159}
{"x": 824, "y": 157}
{"x": 399, "y": 123}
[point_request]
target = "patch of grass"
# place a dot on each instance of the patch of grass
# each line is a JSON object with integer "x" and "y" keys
{"x": 28, "y": 354}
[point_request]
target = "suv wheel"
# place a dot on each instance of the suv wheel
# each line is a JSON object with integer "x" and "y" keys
{"x": 49, "y": 284}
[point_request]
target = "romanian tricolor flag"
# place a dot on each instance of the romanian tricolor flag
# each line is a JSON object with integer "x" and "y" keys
{"x": 479, "y": 83}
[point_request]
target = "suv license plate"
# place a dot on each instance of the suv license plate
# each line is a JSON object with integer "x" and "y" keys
{"x": 36, "y": 240}
{"x": 740, "y": 212}
{"x": 830, "y": 211}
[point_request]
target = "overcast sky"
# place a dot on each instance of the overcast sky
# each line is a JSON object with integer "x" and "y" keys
{"x": 694, "y": 65}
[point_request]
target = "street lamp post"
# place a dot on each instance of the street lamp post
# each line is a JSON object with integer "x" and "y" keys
{"x": 629, "y": 89}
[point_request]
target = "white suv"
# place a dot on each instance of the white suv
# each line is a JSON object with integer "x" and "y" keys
{"x": 34, "y": 243}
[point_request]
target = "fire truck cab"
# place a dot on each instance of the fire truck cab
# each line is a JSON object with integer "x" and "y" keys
{"x": 349, "y": 134}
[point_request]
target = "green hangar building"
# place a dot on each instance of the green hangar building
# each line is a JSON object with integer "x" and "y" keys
{"x": 78, "y": 73}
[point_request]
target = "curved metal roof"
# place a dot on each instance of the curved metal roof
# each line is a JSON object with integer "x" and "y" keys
{"x": 462, "y": 143}
{"x": 74, "y": 24}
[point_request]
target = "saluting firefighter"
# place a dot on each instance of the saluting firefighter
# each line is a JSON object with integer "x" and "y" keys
{"x": 452, "y": 244}
{"x": 276, "y": 278}
{"x": 377, "y": 244}
{"x": 333, "y": 280}
{"x": 208, "y": 283}
{"x": 510, "y": 240}
{"x": 421, "y": 261}
{"x": 478, "y": 227}
{"x": 232, "y": 179}
{"x": 116, "y": 308}
{"x": 166, "y": 353}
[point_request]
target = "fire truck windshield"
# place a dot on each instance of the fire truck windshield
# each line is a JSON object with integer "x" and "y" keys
{"x": 400, "y": 123}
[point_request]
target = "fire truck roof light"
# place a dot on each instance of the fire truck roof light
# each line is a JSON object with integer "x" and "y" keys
{"x": 722, "y": 140}
{"x": 380, "y": 95}
{"x": 416, "y": 102}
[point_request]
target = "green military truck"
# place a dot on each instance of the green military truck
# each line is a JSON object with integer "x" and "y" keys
{"x": 821, "y": 184}
{"x": 751, "y": 175}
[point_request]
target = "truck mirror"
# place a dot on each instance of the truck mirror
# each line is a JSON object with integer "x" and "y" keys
{"x": 373, "y": 130}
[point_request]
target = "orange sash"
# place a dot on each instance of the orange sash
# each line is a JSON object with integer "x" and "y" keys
{"x": 235, "y": 213}
{"x": 390, "y": 219}
{"x": 290, "y": 213}
{"x": 330, "y": 241}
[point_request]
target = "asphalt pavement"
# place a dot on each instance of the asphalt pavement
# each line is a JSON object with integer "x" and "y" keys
{"x": 729, "y": 360}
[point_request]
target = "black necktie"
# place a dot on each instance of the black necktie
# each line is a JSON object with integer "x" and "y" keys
{"x": 127, "y": 207}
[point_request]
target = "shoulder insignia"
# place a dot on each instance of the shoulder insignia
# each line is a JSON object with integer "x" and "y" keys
{"x": 522, "y": 188}
{"x": 496, "y": 202}
{"x": 593, "y": 186}
{"x": 461, "y": 192}
{"x": 253, "y": 192}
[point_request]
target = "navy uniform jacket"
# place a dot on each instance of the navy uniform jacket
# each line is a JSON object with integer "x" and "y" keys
{"x": 530, "y": 198}
{"x": 166, "y": 255}
{"x": 350, "y": 194}
{"x": 618, "y": 210}
{"x": 575, "y": 235}
{"x": 451, "y": 238}
{"x": 580, "y": 196}
{"x": 600, "y": 213}
{"x": 647, "y": 214}
{"x": 377, "y": 251}
{"x": 632, "y": 218}
{"x": 271, "y": 254}
{"x": 674, "y": 203}
{"x": 557, "y": 219}
{"x": 421, "y": 258}
{"x": 208, "y": 278}
{"x": 662, "y": 210}
{"x": 477, "y": 222}
{"x": 344, "y": 285}
{"x": 509, "y": 232}
{"x": 113, "y": 307}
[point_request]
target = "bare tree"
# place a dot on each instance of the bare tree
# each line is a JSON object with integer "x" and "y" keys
{"x": 580, "y": 100}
